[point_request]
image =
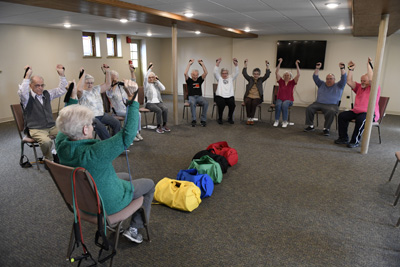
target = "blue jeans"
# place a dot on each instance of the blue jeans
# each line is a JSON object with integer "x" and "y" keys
{"x": 284, "y": 106}
{"x": 193, "y": 101}
{"x": 100, "y": 123}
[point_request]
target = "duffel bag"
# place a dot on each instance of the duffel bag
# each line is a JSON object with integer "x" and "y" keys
{"x": 218, "y": 158}
{"x": 181, "y": 195}
{"x": 222, "y": 148}
{"x": 207, "y": 165}
{"x": 203, "y": 181}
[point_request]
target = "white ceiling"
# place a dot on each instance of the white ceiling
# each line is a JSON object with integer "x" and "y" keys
{"x": 263, "y": 17}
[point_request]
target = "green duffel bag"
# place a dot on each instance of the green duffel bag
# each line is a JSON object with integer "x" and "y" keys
{"x": 206, "y": 165}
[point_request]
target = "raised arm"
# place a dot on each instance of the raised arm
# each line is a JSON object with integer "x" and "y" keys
{"x": 216, "y": 69}
{"x": 203, "y": 66}
{"x": 267, "y": 71}
{"x": 187, "y": 69}
{"x": 132, "y": 71}
{"x": 244, "y": 70}
{"x": 296, "y": 79}
{"x": 316, "y": 78}
{"x": 80, "y": 85}
{"x": 146, "y": 77}
{"x": 107, "y": 84}
{"x": 278, "y": 77}
{"x": 350, "y": 81}
{"x": 236, "y": 71}
{"x": 23, "y": 88}
{"x": 62, "y": 86}
{"x": 343, "y": 75}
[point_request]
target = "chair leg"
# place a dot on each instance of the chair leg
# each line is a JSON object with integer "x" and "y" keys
{"x": 259, "y": 113}
{"x": 398, "y": 223}
{"x": 212, "y": 113}
{"x": 200, "y": 111}
{"x": 241, "y": 114}
{"x": 71, "y": 242}
{"x": 397, "y": 194}
{"x": 379, "y": 133}
{"x": 116, "y": 241}
{"x": 36, "y": 157}
{"x": 145, "y": 223}
{"x": 394, "y": 168}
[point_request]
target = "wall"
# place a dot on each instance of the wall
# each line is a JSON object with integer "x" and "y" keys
{"x": 44, "y": 48}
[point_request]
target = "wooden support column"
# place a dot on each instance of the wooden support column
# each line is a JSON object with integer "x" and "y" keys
{"x": 383, "y": 27}
{"x": 175, "y": 72}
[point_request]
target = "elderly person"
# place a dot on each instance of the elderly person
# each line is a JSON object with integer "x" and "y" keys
{"x": 254, "y": 94}
{"x": 90, "y": 97}
{"x": 284, "y": 98}
{"x": 195, "y": 93}
{"x": 77, "y": 148}
{"x": 118, "y": 97}
{"x": 152, "y": 91}
{"x": 225, "y": 93}
{"x": 328, "y": 98}
{"x": 359, "y": 112}
{"x": 36, "y": 103}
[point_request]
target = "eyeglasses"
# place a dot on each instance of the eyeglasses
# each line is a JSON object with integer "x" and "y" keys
{"x": 39, "y": 85}
{"x": 224, "y": 73}
{"x": 152, "y": 77}
{"x": 89, "y": 82}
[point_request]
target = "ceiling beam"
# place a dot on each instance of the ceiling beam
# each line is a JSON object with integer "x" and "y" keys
{"x": 367, "y": 16}
{"x": 119, "y": 9}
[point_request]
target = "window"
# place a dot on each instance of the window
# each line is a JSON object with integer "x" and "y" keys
{"x": 89, "y": 44}
{"x": 111, "y": 45}
{"x": 134, "y": 48}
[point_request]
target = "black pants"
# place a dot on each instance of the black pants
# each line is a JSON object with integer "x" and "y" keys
{"x": 222, "y": 102}
{"x": 344, "y": 118}
{"x": 251, "y": 106}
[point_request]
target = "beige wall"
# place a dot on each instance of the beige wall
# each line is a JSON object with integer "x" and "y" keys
{"x": 43, "y": 48}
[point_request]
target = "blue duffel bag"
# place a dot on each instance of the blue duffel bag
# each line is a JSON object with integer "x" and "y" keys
{"x": 203, "y": 181}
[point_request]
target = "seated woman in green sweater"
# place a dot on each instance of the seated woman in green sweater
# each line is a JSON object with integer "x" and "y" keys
{"x": 77, "y": 148}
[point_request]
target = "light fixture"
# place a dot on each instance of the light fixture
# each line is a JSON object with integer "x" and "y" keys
{"x": 332, "y": 5}
{"x": 197, "y": 32}
{"x": 341, "y": 27}
{"x": 123, "y": 20}
{"x": 247, "y": 29}
{"x": 188, "y": 14}
{"x": 67, "y": 25}
{"x": 149, "y": 34}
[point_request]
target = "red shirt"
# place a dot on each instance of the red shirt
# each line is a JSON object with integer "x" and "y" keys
{"x": 362, "y": 100}
{"x": 285, "y": 92}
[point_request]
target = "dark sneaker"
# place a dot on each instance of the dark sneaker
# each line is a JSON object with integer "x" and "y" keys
{"x": 353, "y": 145}
{"x": 231, "y": 121}
{"x": 194, "y": 123}
{"x": 203, "y": 123}
{"x": 219, "y": 121}
{"x": 133, "y": 235}
{"x": 326, "y": 132}
{"x": 342, "y": 141}
{"x": 309, "y": 128}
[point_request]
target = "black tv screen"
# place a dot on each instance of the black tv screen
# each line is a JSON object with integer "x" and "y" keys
{"x": 308, "y": 52}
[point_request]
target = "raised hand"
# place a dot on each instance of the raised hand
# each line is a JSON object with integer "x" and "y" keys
{"x": 297, "y": 62}
{"x": 28, "y": 72}
{"x": 60, "y": 69}
{"x": 351, "y": 65}
{"x": 318, "y": 66}
{"x": 342, "y": 65}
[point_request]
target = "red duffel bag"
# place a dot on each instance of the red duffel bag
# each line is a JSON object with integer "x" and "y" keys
{"x": 222, "y": 148}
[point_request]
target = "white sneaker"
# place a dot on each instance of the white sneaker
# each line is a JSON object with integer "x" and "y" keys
{"x": 139, "y": 136}
{"x": 133, "y": 235}
{"x": 284, "y": 124}
{"x": 276, "y": 123}
{"x": 136, "y": 139}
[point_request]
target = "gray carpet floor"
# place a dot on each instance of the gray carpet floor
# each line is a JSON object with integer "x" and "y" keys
{"x": 293, "y": 199}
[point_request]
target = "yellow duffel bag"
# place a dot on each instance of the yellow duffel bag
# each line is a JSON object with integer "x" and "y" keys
{"x": 181, "y": 195}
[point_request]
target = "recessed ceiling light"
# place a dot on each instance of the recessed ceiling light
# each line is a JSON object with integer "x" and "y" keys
{"x": 149, "y": 34}
{"x": 332, "y": 5}
{"x": 247, "y": 29}
{"x": 67, "y": 25}
{"x": 123, "y": 20}
{"x": 341, "y": 27}
{"x": 188, "y": 14}
{"x": 197, "y": 32}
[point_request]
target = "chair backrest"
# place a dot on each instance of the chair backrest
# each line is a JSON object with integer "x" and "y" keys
{"x": 215, "y": 87}
{"x": 85, "y": 192}
{"x": 106, "y": 103}
{"x": 141, "y": 95}
{"x": 383, "y": 102}
{"x": 18, "y": 115}
{"x": 275, "y": 90}
{"x": 185, "y": 92}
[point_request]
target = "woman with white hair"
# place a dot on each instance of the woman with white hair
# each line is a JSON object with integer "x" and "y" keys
{"x": 285, "y": 93}
{"x": 152, "y": 91}
{"x": 77, "y": 148}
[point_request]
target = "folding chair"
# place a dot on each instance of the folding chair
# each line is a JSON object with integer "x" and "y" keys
{"x": 143, "y": 109}
{"x": 87, "y": 201}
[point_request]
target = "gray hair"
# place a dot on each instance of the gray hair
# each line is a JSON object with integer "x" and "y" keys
{"x": 72, "y": 119}
{"x": 35, "y": 76}
{"x": 195, "y": 70}
{"x": 290, "y": 74}
{"x": 113, "y": 72}
{"x": 224, "y": 69}
{"x": 89, "y": 77}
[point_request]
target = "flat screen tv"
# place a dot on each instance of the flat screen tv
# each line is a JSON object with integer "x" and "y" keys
{"x": 308, "y": 52}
